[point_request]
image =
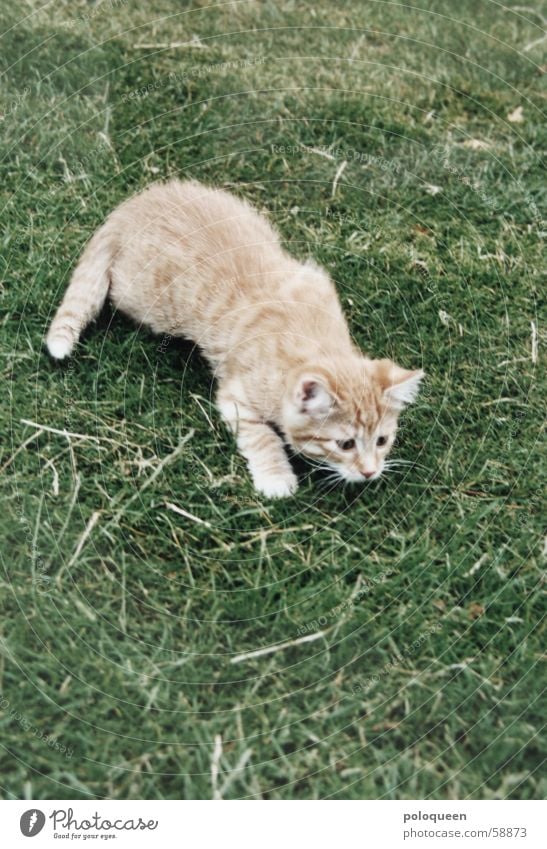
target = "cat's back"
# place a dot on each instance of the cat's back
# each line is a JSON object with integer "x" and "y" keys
{"x": 201, "y": 216}
{"x": 189, "y": 256}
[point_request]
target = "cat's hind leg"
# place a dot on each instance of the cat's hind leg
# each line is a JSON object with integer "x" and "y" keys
{"x": 262, "y": 448}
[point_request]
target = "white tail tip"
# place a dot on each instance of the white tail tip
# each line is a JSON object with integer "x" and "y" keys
{"x": 59, "y": 347}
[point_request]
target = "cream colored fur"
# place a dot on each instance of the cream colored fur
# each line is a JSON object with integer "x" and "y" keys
{"x": 188, "y": 260}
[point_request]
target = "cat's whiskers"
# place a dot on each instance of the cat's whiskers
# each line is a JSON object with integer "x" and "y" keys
{"x": 400, "y": 464}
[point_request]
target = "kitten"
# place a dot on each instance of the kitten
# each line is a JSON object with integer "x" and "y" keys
{"x": 192, "y": 261}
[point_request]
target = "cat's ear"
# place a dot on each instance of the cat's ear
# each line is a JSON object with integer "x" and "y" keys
{"x": 313, "y": 396}
{"x": 400, "y": 385}
{"x": 405, "y": 389}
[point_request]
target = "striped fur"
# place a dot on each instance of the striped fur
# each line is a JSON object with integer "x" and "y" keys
{"x": 85, "y": 295}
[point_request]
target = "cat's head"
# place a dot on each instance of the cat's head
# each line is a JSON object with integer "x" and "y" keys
{"x": 343, "y": 416}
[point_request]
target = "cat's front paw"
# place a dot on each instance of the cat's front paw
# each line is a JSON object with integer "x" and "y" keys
{"x": 276, "y": 485}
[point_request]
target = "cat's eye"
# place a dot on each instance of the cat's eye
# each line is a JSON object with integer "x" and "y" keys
{"x": 381, "y": 440}
{"x": 346, "y": 444}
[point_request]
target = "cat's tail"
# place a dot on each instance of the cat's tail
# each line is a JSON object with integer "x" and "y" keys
{"x": 85, "y": 295}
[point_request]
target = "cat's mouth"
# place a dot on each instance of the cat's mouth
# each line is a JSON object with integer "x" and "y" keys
{"x": 336, "y": 473}
{"x": 349, "y": 476}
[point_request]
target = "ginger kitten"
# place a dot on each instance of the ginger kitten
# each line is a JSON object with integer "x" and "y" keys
{"x": 192, "y": 261}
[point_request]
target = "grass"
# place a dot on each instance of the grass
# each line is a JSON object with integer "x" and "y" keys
{"x": 421, "y": 596}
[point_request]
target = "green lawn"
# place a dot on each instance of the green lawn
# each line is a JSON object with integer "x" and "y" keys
{"x": 123, "y": 622}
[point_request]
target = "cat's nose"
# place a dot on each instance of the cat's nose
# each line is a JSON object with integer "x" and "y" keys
{"x": 368, "y": 475}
